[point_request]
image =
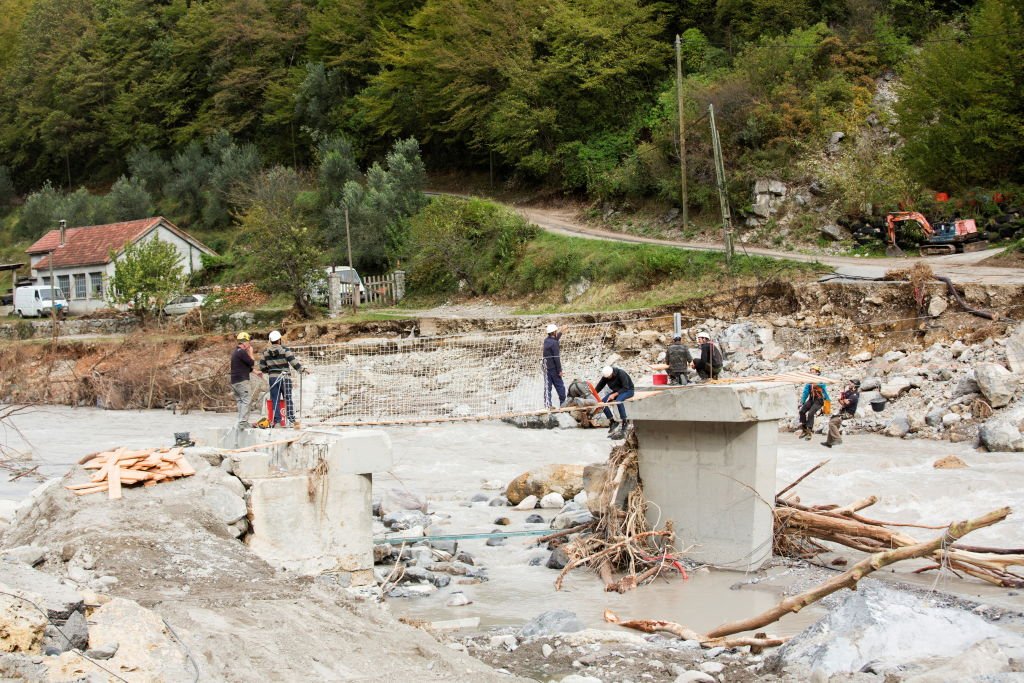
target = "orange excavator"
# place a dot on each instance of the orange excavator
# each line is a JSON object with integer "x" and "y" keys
{"x": 947, "y": 237}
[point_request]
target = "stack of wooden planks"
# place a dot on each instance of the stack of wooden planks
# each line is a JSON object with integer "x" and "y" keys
{"x": 125, "y": 466}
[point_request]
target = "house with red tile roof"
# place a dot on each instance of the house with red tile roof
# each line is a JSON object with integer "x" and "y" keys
{"x": 82, "y": 260}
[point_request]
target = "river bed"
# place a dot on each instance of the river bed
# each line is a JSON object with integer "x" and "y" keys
{"x": 450, "y": 463}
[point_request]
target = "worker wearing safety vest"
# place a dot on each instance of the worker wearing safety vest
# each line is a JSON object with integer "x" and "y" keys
{"x": 811, "y": 401}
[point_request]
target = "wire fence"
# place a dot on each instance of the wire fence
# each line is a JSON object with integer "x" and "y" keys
{"x": 456, "y": 376}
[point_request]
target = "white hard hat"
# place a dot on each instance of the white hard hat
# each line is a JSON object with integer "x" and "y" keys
{"x": 275, "y": 336}
{"x": 551, "y": 328}
{"x": 703, "y": 335}
{"x": 607, "y": 371}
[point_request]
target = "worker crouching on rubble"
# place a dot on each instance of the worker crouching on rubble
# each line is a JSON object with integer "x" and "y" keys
{"x": 848, "y": 400}
{"x": 678, "y": 357}
{"x": 620, "y": 386}
{"x": 276, "y": 361}
{"x": 709, "y": 365}
{"x": 581, "y": 395}
{"x": 811, "y": 401}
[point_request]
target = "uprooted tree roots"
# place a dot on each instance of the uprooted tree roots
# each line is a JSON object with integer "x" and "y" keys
{"x": 619, "y": 539}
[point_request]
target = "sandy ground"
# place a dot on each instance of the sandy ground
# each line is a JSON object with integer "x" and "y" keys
{"x": 449, "y": 464}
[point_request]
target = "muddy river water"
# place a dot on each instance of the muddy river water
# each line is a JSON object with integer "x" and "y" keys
{"x": 449, "y": 464}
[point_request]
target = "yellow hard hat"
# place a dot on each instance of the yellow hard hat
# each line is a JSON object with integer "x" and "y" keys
{"x": 816, "y": 368}
{"x": 242, "y": 336}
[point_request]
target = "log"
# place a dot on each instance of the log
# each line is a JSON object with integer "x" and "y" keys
{"x": 802, "y": 477}
{"x": 849, "y": 578}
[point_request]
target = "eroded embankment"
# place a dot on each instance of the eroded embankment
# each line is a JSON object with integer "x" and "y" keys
{"x": 147, "y": 369}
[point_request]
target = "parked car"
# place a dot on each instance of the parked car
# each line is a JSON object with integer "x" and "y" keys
{"x": 318, "y": 290}
{"x": 39, "y": 300}
{"x": 184, "y": 304}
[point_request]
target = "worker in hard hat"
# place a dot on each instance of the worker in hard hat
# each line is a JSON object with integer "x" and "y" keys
{"x": 242, "y": 365}
{"x": 552, "y": 359}
{"x": 678, "y": 357}
{"x": 620, "y": 386}
{"x": 709, "y": 365}
{"x": 582, "y": 395}
{"x": 812, "y": 400}
{"x": 276, "y": 362}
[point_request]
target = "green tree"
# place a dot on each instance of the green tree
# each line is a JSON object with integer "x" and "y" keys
{"x": 128, "y": 200}
{"x": 455, "y": 241}
{"x": 960, "y": 109}
{"x": 146, "y": 276}
{"x": 7, "y": 191}
{"x": 284, "y": 242}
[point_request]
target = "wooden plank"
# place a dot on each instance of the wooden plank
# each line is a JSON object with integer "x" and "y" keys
{"x": 86, "y": 485}
{"x": 267, "y": 444}
{"x": 153, "y": 460}
{"x": 114, "y": 480}
{"x": 131, "y": 476}
{"x": 151, "y": 482}
{"x": 186, "y": 469}
{"x": 94, "y": 489}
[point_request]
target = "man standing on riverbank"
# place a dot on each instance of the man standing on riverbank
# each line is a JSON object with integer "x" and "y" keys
{"x": 242, "y": 362}
{"x": 276, "y": 361}
{"x": 848, "y": 401}
{"x": 553, "y": 365}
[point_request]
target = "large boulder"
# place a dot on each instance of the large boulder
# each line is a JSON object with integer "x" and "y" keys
{"x": 566, "y": 480}
{"x": 894, "y": 387}
{"x": 394, "y": 500}
{"x": 888, "y": 629}
{"x": 551, "y": 624}
{"x": 898, "y": 426}
{"x": 1002, "y": 435}
{"x": 996, "y": 383}
{"x": 144, "y": 644}
{"x": 21, "y": 625}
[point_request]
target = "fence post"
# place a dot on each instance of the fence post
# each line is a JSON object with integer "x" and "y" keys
{"x": 334, "y": 294}
{"x": 399, "y": 277}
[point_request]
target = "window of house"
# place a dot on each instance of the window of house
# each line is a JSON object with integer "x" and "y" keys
{"x": 80, "y": 286}
{"x": 46, "y": 280}
{"x": 64, "y": 284}
{"x": 96, "y": 285}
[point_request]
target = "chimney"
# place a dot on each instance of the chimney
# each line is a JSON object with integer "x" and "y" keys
{"x": 63, "y": 231}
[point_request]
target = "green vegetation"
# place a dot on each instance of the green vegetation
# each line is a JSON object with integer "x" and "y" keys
{"x": 117, "y": 109}
{"x": 149, "y": 275}
{"x": 479, "y": 248}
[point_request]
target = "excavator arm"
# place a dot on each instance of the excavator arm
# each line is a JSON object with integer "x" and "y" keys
{"x": 898, "y": 217}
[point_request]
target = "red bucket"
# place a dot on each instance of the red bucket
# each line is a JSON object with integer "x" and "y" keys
{"x": 282, "y": 406}
{"x": 660, "y": 378}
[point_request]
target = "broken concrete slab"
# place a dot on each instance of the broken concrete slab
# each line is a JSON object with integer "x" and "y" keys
{"x": 23, "y": 625}
{"x": 58, "y": 600}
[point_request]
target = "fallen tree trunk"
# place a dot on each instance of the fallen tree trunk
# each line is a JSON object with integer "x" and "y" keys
{"x": 720, "y": 636}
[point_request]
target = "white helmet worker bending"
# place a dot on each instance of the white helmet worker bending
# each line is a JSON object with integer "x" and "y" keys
{"x": 607, "y": 371}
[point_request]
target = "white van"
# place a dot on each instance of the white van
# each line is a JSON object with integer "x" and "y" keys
{"x": 38, "y": 300}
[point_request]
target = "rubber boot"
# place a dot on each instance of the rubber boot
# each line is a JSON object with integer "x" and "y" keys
{"x": 612, "y": 426}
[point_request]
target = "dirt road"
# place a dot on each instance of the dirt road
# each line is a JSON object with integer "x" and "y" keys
{"x": 961, "y": 268}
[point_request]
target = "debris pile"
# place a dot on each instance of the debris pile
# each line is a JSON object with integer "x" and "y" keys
{"x": 619, "y": 539}
{"x": 800, "y": 529}
{"x": 147, "y": 466}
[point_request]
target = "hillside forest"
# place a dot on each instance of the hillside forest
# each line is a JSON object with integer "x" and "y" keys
{"x": 222, "y": 114}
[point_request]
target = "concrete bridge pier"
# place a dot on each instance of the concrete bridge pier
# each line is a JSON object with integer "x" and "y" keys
{"x": 707, "y": 461}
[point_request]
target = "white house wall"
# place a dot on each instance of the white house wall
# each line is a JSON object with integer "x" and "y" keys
{"x": 190, "y": 255}
{"x": 190, "y": 258}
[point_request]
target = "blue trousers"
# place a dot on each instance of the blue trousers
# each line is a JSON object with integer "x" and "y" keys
{"x": 622, "y": 408}
{"x": 281, "y": 384}
{"x": 551, "y": 379}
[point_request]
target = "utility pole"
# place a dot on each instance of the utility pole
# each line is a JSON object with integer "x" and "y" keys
{"x": 682, "y": 132}
{"x": 354, "y": 285}
{"x": 720, "y": 174}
